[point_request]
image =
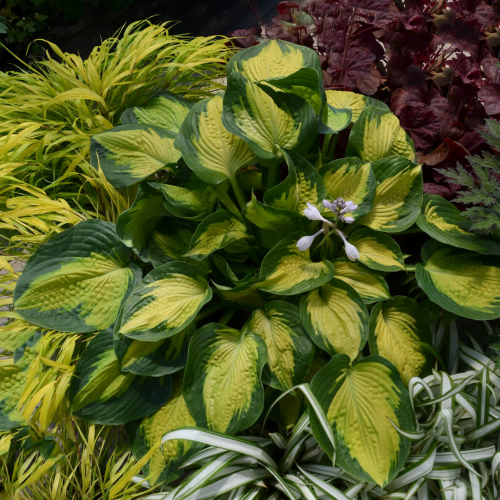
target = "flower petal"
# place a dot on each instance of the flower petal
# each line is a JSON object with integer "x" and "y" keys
{"x": 306, "y": 241}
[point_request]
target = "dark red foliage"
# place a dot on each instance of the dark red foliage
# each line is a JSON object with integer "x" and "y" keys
{"x": 435, "y": 62}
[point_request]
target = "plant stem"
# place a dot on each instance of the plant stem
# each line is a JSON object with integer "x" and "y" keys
{"x": 333, "y": 145}
{"x": 209, "y": 311}
{"x": 240, "y": 198}
{"x": 274, "y": 174}
{"x": 226, "y": 317}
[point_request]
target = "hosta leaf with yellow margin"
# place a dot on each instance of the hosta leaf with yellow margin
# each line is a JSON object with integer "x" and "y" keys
{"x": 377, "y": 250}
{"x": 377, "y": 134}
{"x": 144, "y": 435}
{"x": 135, "y": 225}
{"x": 303, "y": 185}
{"x": 290, "y": 352}
{"x": 396, "y": 327}
{"x": 336, "y": 318}
{"x": 222, "y": 386}
{"x": 13, "y": 376}
{"x": 164, "y": 302}
{"x": 462, "y": 282}
{"x": 245, "y": 295}
{"x": 165, "y": 109}
{"x": 286, "y": 270}
{"x": 77, "y": 280}
{"x": 100, "y": 393}
{"x": 153, "y": 359}
{"x": 350, "y": 100}
{"x": 210, "y": 150}
{"x": 352, "y": 180}
{"x": 273, "y": 223}
{"x": 398, "y": 196}
{"x": 129, "y": 153}
{"x": 360, "y": 401}
{"x": 443, "y": 221}
{"x": 217, "y": 231}
{"x": 268, "y": 123}
{"x": 285, "y": 66}
{"x": 370, "y": 285}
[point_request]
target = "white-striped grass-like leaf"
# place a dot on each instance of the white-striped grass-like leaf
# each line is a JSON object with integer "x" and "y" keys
{"x": 77, "y": 280}
{"x": 164, "y": 303}
{"x": 222, "y": 385}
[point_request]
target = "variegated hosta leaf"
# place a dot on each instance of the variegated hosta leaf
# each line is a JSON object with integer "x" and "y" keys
{"x": 165, "y": 109}
{"x": 352, "y": 180}
{"x": 462, "y": 282}
{"x": 244, "y": 295}
{"x": 378, "y": 134}
{"x": 370, "y": 285}
{"x": 350, "y": 100}
{"x": 153, "y": 359}
{"x": 13, "y": 376}
{"x": 395, "y": 328}
{"x": 360, "y": 401}
{"x": 222, "y": 386}
{"x": 398, "y": 196}
{"x": 217, "y": 231}
{"x": 268, "y": 124}
{"x": 273, "y": 223}
{"x": 135, "y": 225}
{"x": 286, "y": 270}
{"x": 443, "y": 221}
{"x": 129, "y": 153}
{"x": 165, "y": 462}
{"x": 290, "y": 353}
{"x": 100, "y": 393}
{"x": 336, "y": 318}
{"x": 303, "y": 185}
{"x": 212, "y": 152}
{"x": 164, "y": 303}
{"x": 77, "y": 280}
{"x": 377, "y": 250}
{"x": 335, "y": 119}
{"x": 282, "y": 65}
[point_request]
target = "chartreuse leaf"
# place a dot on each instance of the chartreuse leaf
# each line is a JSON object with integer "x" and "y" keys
{"x": 290, "y": 353}
{"x": 336, "y": 318}
{"x": 77, "y": 280}
{"x": 303, "y": 185}
{"x": 222, "y": 386}
{"x": 398, "y": 196}
{"x": 282, "y": 65}
{"x": 378, "y": 134}
{"x": 460, "y": 281}
{"x": 100, "y": 393}
{"x": 153, "y": 359}
{"x": 370, "y": 285}
{"x": 352, "y": 180}
{"x": 164, "y": 303}
{"x": 350, "y": 100}
{"x": 129, "y": 153}
{"x": 165, "y": 109}
{"x": 13, "y": 376}
{"x": 377, "y": 250}
{"x": 268, "y": 124}
{"x": 360, "y": 402}
{"x": 335, "y": 120}
{"x": 396, "y": 327}
{"x": 135, "y": 225}
{"x": 210, "y": 150}
{"x": 217, "y": 231}
{"x": 164, "y": 464}
{"x": 286, "y": 270}
{"x": 443, "y": 221}
{"x": 15, "y": 334}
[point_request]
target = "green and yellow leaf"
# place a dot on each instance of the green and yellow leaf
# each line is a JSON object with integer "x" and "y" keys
{"x": 77, "y": 280}
{"x": 336, "y": 318}
{"x": 222, "y": 386}
{"x": 244, "y": 295}
{"x": 129, "y": 153}
{"x": 360, "y": 402}
{"x": 290, "y": 353}
{"x": 462, "y": 282}
{"x": 164, "y": 303}
{"x": 350, "y": 100}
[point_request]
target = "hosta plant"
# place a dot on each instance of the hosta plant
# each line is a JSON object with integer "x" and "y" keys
{"x": 249, "y": 263}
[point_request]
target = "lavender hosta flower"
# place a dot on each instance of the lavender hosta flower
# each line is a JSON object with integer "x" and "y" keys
{"x": 306, "y": 241}
{"x": 350, "y": 250}
{"x": 312, "y": 213}
{"x": 340, "y": 207}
